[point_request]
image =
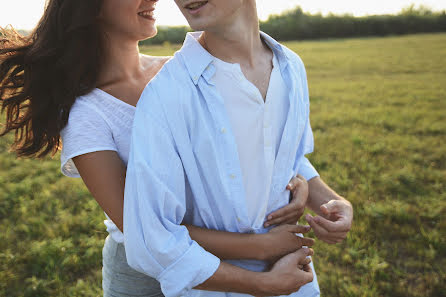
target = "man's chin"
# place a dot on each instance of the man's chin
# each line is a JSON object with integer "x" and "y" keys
{"x": 200, "y": 25}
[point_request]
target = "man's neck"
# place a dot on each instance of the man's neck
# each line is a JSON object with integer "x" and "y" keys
{"x": 238, "y": 41}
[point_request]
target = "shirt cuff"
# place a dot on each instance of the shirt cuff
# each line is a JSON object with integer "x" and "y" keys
{"x": 191, "y": 270}
{"x": 307, "y": 170}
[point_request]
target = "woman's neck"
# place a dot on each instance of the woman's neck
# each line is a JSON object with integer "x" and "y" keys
{"x": 121, "y": 61}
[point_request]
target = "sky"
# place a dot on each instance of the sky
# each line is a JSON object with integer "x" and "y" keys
{"x": 24, "y": 14}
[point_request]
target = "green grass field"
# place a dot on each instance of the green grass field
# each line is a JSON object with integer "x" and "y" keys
{"x": 378, "y": 111}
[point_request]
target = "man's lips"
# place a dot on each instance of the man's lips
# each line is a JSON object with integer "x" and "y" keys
{"x": 193, "y": 6}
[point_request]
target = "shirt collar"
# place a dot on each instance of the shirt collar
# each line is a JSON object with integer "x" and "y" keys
{"x": 197, "y": 59}
{"x": 278, "y": 50}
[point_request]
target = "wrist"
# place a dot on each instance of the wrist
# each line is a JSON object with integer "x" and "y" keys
{"x": 264, "y": 285}
{"x": 262, "y": 246}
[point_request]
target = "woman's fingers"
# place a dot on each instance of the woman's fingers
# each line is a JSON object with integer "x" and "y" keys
{"x": 307, "y": 268}
{"x": 305, "y": 261}
{"x": 298, "y": 228}
{"x": 309, "y": 242}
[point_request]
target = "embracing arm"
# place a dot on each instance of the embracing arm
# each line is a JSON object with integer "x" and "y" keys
{"x": 103, "y": 173}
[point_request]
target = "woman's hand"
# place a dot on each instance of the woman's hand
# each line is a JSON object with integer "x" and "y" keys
{"x": 292, "y": 212}
{"x": 283, "y": 240}
{"x": 286, "y": 277}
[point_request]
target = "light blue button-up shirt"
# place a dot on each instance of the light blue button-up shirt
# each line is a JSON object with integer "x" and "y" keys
{"x": 183, "y": 170}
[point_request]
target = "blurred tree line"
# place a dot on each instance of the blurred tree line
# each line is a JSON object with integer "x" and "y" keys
{"x": 297, "y": 25}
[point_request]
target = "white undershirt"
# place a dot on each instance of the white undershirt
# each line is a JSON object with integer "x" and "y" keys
{"x": 257, "y": 126}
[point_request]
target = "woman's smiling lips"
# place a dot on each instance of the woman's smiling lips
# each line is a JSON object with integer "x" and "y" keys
{"x": 148, "y": 11}
{"x": 147, "y": 14}
{"x": 195, "y": 7}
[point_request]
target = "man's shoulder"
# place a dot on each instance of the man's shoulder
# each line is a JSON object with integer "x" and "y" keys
{"x": 173, "y": 71}
{"x": 167, "y": 85}
{"x": 293, "y": 57}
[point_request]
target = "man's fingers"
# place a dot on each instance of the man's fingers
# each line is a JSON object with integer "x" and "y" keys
{"x": 291, "y": 221}
{"x": 275, "y": 221}
{"x": 328, "y": 241}
{"x": 331, "y": 206}
{"x": 340, "y": 225}
{"x": 292, "y": 217}
{"x": 283, "y": 214}
{"x": 323, "y": 234}
{"x": 282, "y": 211}
{"x": 318, "y": 230}
{"x": 295, "y": 182}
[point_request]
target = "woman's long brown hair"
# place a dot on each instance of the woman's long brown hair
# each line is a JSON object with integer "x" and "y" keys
{"x": 42, "y": 74}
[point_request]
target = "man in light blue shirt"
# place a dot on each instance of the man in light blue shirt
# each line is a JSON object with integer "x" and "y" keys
{"x": 185, "y": 164}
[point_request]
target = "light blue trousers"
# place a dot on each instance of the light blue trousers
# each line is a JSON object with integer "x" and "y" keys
{"x": 119, "y": 279}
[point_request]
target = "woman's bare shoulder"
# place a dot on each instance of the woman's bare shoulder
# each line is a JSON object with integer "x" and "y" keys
{"x": 154, "y": 61}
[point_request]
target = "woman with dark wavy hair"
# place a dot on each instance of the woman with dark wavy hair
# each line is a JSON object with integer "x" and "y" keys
{"x": 76, "y": 81}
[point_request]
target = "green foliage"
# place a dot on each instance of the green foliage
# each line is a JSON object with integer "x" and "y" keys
{"x": 378, "y": 115}
{"x": 296, "y": 24}
{"x": 168, "y": 34}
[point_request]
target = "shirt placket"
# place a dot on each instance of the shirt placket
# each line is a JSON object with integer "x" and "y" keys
{"x": 228, "y": 155}
{"x": 280, "y": 172}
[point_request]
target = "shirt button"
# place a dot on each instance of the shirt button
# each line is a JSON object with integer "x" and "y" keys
{"x": 223, "y": 130}
{"x": 238, "y": 219}
{"x": 267, "y": 143}
{"x": 232, "y": 176}
{"x": 277, "y": 188}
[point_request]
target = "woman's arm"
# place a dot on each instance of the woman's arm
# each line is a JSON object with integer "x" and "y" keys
{"x": 104, "y": 175}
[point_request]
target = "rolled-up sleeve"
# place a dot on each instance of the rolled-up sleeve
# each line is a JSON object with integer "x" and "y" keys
{"x": 305, "y": 168}
{"x": 306, "y": 146}
{"x": 155, "y": 204}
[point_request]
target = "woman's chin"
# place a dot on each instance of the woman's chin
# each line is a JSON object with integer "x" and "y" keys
{"x": 149, "y": 34}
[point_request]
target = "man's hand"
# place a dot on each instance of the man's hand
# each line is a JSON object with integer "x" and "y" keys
{"x": 282, "y": 240}
{"x": 286, "y": 277}
{"x": 292, "y": 212}
{"x": 335, "y": 223}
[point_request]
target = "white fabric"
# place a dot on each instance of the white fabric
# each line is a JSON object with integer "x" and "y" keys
{"x": 97, "y": 122}
{"x": 257, "y": 126}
